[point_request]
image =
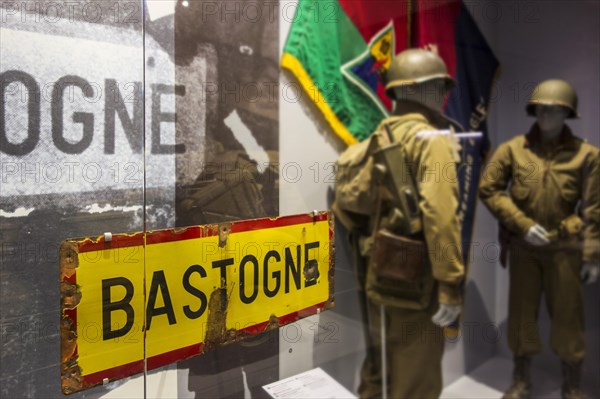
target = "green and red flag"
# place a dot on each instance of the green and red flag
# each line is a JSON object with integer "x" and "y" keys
{"x": 339, "y": 49}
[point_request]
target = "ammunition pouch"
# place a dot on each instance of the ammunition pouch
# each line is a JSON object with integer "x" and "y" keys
{"x": 398, "y": 257}
{"x": 400, "y": 273}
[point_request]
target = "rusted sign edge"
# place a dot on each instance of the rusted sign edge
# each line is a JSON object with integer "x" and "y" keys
{"x": 331, "y": 300}
{"x": 70, "y": 296}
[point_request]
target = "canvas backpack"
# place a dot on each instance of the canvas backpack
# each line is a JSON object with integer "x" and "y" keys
{"x": 355, "y": 193}
{"x": 356, "y": 188}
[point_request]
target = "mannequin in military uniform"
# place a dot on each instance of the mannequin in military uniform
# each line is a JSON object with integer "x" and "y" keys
{"x": 418, "y": 82}
{"x": 551, "y": 217}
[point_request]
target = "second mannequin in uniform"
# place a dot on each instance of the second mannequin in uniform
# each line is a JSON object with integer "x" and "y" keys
{"x": 544, "y": 189}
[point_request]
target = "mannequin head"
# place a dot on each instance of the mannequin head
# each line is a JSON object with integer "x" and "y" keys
{"x": 551, "y": 120}
{"x": 553, "y": 92}
{"x": 431, "y": 93}
{"x": 418, "y": 76}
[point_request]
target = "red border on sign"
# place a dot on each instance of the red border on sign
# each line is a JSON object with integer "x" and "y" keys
{"x": 118, "y": 241}
{"x": 173, "y": 356}
{"x": 192, "y": 232}
{"x": 267, "y": 223}
{"x": 286, "y": 319}
{"x": 115, "y": 373}
{"x": 184, "y": 233}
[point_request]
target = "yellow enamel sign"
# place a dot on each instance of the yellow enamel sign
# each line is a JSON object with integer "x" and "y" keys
{"x": 186, "y": 291}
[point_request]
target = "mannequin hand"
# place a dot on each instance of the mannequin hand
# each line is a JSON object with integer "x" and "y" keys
{"x": 446, "y": 315}
{"x": 590, "y": 272}
{"x": 537, "y": 236}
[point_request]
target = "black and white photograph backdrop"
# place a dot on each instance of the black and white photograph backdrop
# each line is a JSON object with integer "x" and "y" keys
{"x": 124, "y": 116}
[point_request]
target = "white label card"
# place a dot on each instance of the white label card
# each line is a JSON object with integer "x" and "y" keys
{"x": 314, "y": 383}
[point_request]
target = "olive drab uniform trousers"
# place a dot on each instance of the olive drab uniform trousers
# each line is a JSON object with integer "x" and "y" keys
{"x": 546, "y": 184}
{"x": 414, "y": 344}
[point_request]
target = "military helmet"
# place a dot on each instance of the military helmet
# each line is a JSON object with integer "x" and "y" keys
{"x": 414, "y": 66}
{"x": 553, "y": 92}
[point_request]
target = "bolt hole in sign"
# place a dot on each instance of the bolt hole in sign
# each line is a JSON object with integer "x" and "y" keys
{"x": 186, "y": 291}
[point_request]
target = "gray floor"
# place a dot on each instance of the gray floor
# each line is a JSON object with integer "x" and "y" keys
{"x": 489, "y": 380}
